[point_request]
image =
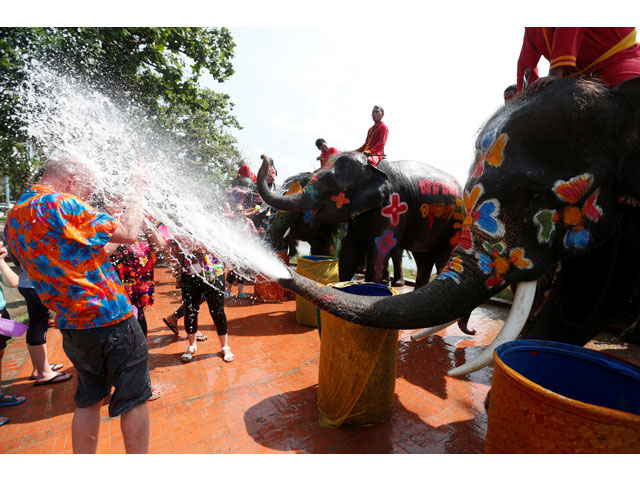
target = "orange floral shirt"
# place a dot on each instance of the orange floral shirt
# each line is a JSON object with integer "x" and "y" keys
{"x": 59, "y": 240}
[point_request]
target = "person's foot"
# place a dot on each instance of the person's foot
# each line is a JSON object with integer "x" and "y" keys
{"x": 155, "y": 394}
{"x": 188, "y": 355}
{"x": 201, "y": 337}
{"x": 11, "y": 400}
{"x": 53, "y": 366}
{"x": 227, "y": 356}
{"x": 171, "y": 325}
{"x": 57, "y": 378}
{"x": 243, "y": 295}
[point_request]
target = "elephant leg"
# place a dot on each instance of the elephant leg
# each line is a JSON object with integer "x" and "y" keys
{"x": 425, "y": 262}
{"x": 351, "y": 257}
{"x": 375, "y": 265}
{"x": 398, "y": 271}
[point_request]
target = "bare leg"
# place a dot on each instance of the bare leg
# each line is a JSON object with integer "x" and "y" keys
{"x": 225, "y": 348}
{"x": 135, "y": 429}
{"x": 40, "y": 360}
{"x": 85, "y": 428}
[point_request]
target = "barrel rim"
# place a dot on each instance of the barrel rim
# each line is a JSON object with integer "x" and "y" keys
{"x": 560, "y": 402}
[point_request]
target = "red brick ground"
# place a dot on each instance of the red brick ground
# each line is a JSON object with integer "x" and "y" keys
{"x": 265, "y": 401}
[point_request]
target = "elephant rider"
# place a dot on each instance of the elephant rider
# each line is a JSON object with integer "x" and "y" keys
{"x": 377, "y": 135}
{"x": 325, "y": 152}
{"x": 510, "y": 93}
{"x": 610, "y": 54}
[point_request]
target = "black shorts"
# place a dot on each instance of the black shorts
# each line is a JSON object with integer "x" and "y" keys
{"x": 3, "y": 338}
{"x": 110, "y": 356}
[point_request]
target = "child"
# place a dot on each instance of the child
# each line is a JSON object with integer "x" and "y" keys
{"x": 9, "y": 278}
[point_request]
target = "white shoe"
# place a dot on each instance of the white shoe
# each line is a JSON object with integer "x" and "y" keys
{"x": 188, "y": 355}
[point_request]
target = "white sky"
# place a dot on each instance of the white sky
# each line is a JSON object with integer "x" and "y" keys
{"x": 294, "y": 85}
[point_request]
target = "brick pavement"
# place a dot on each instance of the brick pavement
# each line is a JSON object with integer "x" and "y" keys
{"x": 265, "y": 401}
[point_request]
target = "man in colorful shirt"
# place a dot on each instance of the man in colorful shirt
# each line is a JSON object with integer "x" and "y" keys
{"x": 59, "y": 239}
{"x": 609, "y": 53}
{"x": 325, "y": 152}
{"x": 377, "y": 135}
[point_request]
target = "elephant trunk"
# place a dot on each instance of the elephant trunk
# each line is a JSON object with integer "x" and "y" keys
{"x": 440, "y": 302}
{"x": 293, "y": 202}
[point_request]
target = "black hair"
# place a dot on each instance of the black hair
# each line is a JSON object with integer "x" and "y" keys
{"x": 509, "y": 88}
{"x": 379, "y": 108}
{"x": 319, "y": 142}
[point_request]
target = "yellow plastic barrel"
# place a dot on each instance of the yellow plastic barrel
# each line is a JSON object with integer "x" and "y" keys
{"x": 322, "y": 269}
{"x": 357, "y": 374}
{"x": 267, "y": 291}
{"x": 550, "y": 397}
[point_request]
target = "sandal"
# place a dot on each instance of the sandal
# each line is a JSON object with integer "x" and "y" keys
{"x": 54, "y": 367}
{"x": 227, "y": 357}
{"x": 201, "y": 337}
{"x": 11, "y": 400}
{"x": 188, "y": 355}
{"x": 3, "y": 420}
{"x": 171, "y": 326}
{"x": 155, "y": 394}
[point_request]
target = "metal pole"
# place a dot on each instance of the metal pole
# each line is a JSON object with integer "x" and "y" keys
{"x": 6, "y": 193}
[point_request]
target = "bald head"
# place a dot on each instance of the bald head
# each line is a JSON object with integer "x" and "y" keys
{"x": 68, "y": 174}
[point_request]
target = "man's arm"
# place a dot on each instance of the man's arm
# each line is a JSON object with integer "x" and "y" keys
{"x": 131, "y": 219}
{"x": 529, "y": 56}
{"x": 8, "y": 276}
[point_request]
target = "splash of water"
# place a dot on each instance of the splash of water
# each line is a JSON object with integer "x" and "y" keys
{"x": 65, "y": 115}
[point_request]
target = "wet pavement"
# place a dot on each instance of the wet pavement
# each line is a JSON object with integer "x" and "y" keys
{"x": 265, "y": 401}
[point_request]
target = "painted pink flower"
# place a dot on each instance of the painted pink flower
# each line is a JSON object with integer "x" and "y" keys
{"x": 395, "y": 209}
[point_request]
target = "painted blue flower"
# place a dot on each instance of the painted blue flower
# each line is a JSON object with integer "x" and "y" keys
{"x": 43, "y": 266}
{"x": 73, "y": 254}
{"x": 577, "y": 238}
{"x": 308, "y": 216}
{"x": 311, "y": 191}
{"x": 486, "y": 220}
{"x": 449, "y": 274}
{"x": 485, "y": 263}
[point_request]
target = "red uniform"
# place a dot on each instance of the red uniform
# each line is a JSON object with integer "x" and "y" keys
{"x": 324, "y": 156}
{"x": 609, "y": 53}
{"x": 374, "y": 144}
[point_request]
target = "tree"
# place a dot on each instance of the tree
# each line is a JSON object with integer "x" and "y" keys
{"x": 157, "y": 69}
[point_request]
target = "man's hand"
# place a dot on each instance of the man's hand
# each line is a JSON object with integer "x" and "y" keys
{"x": 542, "y": 82}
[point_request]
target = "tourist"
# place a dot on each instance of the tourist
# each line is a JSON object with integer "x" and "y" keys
{"x": 377, "y": 135}
{"x": 203, "y": 274}
{"x": 59, "y": 239}
{"x": 9, "y": 278}
{"x": 326, "y": 152}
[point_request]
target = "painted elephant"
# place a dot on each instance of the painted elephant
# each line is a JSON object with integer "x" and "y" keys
{"x": 397, "y": 205}
{"x": 324, "y": 238}
{"x": 542, "y": 207}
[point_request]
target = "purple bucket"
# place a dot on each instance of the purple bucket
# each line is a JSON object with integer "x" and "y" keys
{"x": 11, "y": 328}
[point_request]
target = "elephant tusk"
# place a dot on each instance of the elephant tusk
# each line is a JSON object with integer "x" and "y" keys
{"x": 425, "y": 332}
{"x": 518, "y": 315}
{"x": 286, "y": 234}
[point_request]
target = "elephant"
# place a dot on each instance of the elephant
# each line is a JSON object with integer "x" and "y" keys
{"x": 396, "y": 205}
{"x": 288, "y": 227}
{"x": 544, "y": 210}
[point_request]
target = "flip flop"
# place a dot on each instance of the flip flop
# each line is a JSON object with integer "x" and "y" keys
{"x": 59, "y": 378}
{"x": 3, "y": 420}
{"x": 173, "y": 328}
{"x": 11, "y": 400}
{"x": 201, "y": 337}
{"x": 54, "y": 366}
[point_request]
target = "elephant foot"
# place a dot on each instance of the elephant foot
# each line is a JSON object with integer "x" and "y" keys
{"x": 398, "y": 282}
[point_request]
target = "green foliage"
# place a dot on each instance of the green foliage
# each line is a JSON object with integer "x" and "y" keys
{"x": 156, "y": 69}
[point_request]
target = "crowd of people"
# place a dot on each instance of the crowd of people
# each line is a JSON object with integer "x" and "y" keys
{"x": 92, "y": 269}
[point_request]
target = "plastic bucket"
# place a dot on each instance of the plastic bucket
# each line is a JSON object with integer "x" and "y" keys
{"x": 267, "y": 291}
{"x": 357, "y": 374}
{"x": 322, "y": 269}
{"x": 550, "y": 397}
{"x": 11, "y": 328}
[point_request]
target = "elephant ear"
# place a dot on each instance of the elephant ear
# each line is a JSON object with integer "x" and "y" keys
{"x": 373, "y": 193}
{"x": 628, "y": 94}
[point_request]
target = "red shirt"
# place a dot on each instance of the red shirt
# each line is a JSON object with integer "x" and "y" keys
{"x": 375, "y": 142}
{"x": 610, "y": 53}
{"x": 324, "y": 156}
